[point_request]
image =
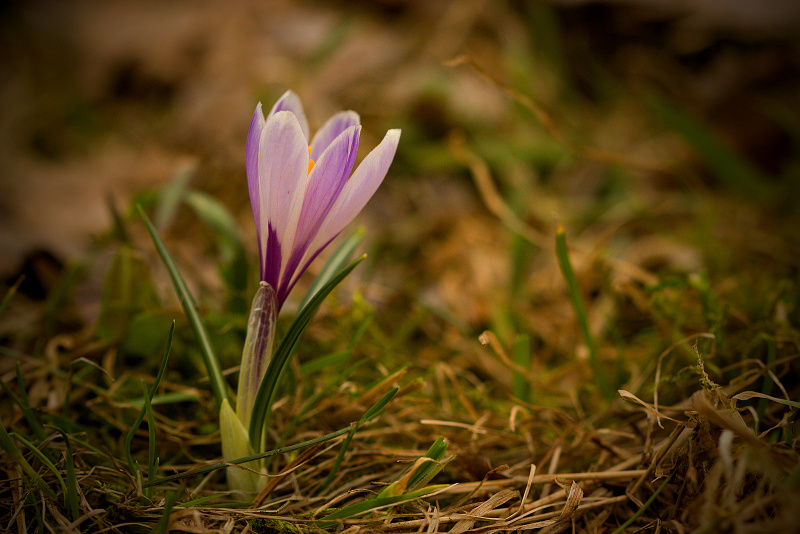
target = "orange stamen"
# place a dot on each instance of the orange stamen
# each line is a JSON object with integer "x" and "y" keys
{"x": 310, "y": 161}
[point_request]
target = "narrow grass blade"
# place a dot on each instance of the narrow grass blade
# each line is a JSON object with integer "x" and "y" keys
{"x": 368, "y": 415}
{"x": 766, "y": 387}
{"x": 152, "y": 461}
{"x": 336, "y": 263}
{"x": 340, "y": 378}
{"x": 369, "y": 505}
{"x": 71, "y": 496}
{"x": 420, "y": 472}
{"x": 647, "y": 504}
{"x": 580, "y": 312}
{"x": 339, "y": 457}
{"x": 148, "y": 397}
{"x": 218, "y": 385}
{"x": 8, "y": 445}
{"x": 269, "y": 384}
{"x": 372, "y": 412}
{"x": 44, "y": 459}
{"x": 378, "y": 406}
{"x": 163, "y": 523}
{"x": 173, "y": 397}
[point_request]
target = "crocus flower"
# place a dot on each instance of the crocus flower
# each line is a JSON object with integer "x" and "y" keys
{"x": 302, "y": 196}
{"x": 301, "y": 191}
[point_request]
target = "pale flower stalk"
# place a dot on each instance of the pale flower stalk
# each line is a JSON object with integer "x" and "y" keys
{"x": 302, "y": 195}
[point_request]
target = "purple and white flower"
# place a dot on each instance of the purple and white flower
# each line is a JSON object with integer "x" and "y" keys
{"x": 301, "y": 190}
{"x": 302, "y": 196}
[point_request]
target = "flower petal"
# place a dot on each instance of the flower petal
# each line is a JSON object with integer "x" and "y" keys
{"x": 358, "y": 189}
{"x": 289, "y": 101}
{"x": 257, "y": 350}
{"x": 355, "y": 194}
{"x": 331, "y": 130}
{"x": 325, "y": 183}
{"x": 282, "y": 174}
{"x": 251, "y": 164}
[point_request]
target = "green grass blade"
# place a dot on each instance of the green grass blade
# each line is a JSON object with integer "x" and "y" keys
{"x": 378, "y": 406}
{"x": 580, "y": 311}
{"x": 259, "y": 456}
{"x": 427, "y": 471}
{"x": 173, "y": 397}
{"x": 218, "y": 384}
{"x": 151, "y": 441}
{"x": 340, "y": 378}
{"x": 339, "y": 457}
{"x": 368, "y": 415}
{"x": 369, "y": 505}
{"x": 163, "y": 522}
{"x": 148, "y": 396}
{"x": 346, "y": 444}
{"x": 269, "y": 384}
{"x": 45, "y": 460}
{"x": 8, "y": 445}
{"x": 418, "y": 473}
{"x": 766, "y": 387}
{"x": 71, "y": 496}
{"x": 335, "y": 264}
{"x": 647, "y": 504}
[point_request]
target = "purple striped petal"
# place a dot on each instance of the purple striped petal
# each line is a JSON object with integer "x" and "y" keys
{"x": 282, "y": 174}
{"x": 291, "y": 102}
{"x": 325, "y": 183}
{"x": 358, "y": 190}
{"x": 331, "y": 130}
{"x": 251, "y": 164}
{"x": 257, "y": 350}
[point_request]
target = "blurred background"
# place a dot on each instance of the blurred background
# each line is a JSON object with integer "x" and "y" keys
{"x": 663, "y": 134}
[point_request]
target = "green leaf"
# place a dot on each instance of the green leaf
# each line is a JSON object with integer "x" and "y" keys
{"x": 218, "y": 384}
{"x": 269, "y": 384}
{"x": 236, "y": 444}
